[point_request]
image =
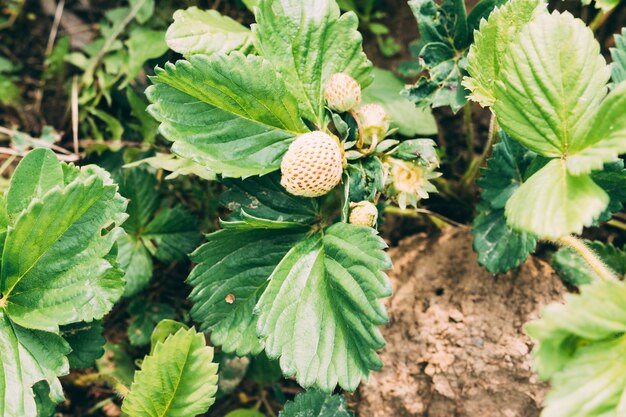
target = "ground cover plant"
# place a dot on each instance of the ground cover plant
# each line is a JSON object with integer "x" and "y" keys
{"x": 199, "y": 197}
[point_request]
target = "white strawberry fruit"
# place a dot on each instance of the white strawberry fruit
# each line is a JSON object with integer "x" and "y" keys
{"x": 342, "y": 93}
{"x": 374, "y": 122}
{"x": 363, "y": 213}
{"x": 312, "y": 165}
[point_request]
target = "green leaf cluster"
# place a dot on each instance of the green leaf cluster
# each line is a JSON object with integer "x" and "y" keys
{"x": 581, "y": 348}
{"x": 165, "y": 233}
{"x": 446, "y": 32}
{"x": 273, "y": 279}
{"x": 547, "y": 86}
{"x": 59, "y": 225}
{"x": 316, "y": 403}
{"x": 499, "y": 247}
{"x": 237, "y": 114}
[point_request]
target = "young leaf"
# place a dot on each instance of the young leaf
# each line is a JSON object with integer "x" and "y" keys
{"x": 491, "y": 43}
{"x": 28, "y": 356}
{"x": 49, "y": 276}
{"x": 162, "y": 330}
{"x": 207, "y": 32}
{"x": 618, "y": 54}
{"x": 232, "y": 271}
{"x": 581, "y": 348}
{"x": 320, "y": 310}
{"x": 579, "y": 201}
{"x": 178, "y": 379}
{"x": 551, "y": 75}
{"x": 410, "y": 121}
{"x": 572, "y": 268}
{"x": 86, "y": 342}
{"x": 314, "y": 403}
{"x": 309, "y": 42}
{"x": 499, "y": 247}
{"x": 231, "y": 113}
{"x": 144, "y": 318}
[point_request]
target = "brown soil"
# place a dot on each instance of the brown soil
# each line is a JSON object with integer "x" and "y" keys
{"x": 455, "y": 344}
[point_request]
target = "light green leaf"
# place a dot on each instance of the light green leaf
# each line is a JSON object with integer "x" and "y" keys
{"x": 231, "y": 113}
{"x": 320, "y": 310}
{"x": 86, "y": 342}
{"x": 38, "y": 173}
{"x": 162, "y": 330}
{"x": 145, "y": 10}
{"x": 55, "y": 264}
{"x": 26, "y": 357}
{"x": 604, "y": 137}
{"x": 410, "y": 120}
{"x": 245, "y": 413}
{"x": 314, "y": 403}
{"x": 618, "y": 55}
{"x": 136, "y": 262}
{"x": 553, "y": 202}
{"x": 143, "y": 44}
{"x": 196, "y": 31}
{"x": 176, "y": 165}
{"x": 492, "y": 41}
{"x": 178, "y": 379}
{"x": 232, "y": 272}
{"x": 550, "y": 77}
{"x": 573, "y": 269}
{"x": 285, "y": 34}
{"x": 172, "y": 234}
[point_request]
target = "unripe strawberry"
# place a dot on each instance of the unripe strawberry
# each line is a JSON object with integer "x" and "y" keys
{"x": 312, "y": 165}
{"x": 342, "y": 93}
{"x": 363, "y": 213}
{"x": 374, "y": 122}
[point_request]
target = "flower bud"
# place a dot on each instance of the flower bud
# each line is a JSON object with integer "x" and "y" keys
{"x": 374, "y": 122}
{"x": 342, "y": 93}
{"x": 363, "y": 213}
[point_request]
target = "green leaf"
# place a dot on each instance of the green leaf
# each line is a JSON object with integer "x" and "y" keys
{"x": 145, "y": 316}
{"x": 604, "y": 136}
{"x": 55, "y": 264}
{"x": 618, "y": 55}
{"x": 178, "y": 379}
{"x": 245, "y": 413}
{"x": 172, "y": 234}
{"x": 230, "y": 113}
{"x": 410, "y": 121}
{"x": 207, "y": 32}
{"x": 314, "y": 403}
{"x": 232, "y": 272}
{"x": 162, "y": 330}
{"x": 605, "y": 5}
{"x": 265, "y": 198}
{"x": 86, "y": 342}
{"x": 140, "y": 187}
{"x": 492, "y": 41}
{"x": 177, "y": 166}
{"x": 145, "y": 11}
{"x": 499, "y": 247}
{"x": 612, "y": 179}
{"x": 551, "y": 76}
{"x": 38, "y": 173}
{"x": 553, "y": 202}
{"x": 147, "y": 126}
{"x": 143, "y": 45}
{"x": 116, "y": 363}
{"x": 581, "y": 348}
{"x": 263, "y": 371}
{"x": 136, "y": 262}
{"x": 285, "y": 33}
{"x": 573, "y": 269}
{"x": 28, "y": 356}
{"x": 320, "y": 310}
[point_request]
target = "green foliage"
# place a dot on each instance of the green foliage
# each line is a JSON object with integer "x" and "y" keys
{"x": 245, "y": 413}
{"x": 145, "y": 316}
{"x": 86, "y": 342}
{"x": 11, "y": 92}
{"x": 618, "y": 54}
{"x": 446, "y": 34}
{"x": 315, "y": 403}
{"x": 612, "y": 179}
{"x": 410, "y": 121}
{"x": 581, "y": 348}
{"x": 58, "y": 234}
{"x": 178, "y": 379}
{"x": 499, "y": 247}
{"x": 166, "y": 233}
{"x": 196, "y": 31}
{"x": 573, "y": 269}
{"x": 557, "y": 107}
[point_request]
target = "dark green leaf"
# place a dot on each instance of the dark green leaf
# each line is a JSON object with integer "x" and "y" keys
{"x": 573, "y": 269}
{"x": 172, "y": 234}
{"x": 86, "y": 341}
{"x": 315, "y": 403}
{"x": 612, "y": 179}
{"x": 145, "y": 316}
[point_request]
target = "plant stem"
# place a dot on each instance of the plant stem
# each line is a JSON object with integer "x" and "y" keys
{"x": 588, "y": 255}
{"x": 616, "y": 223}
{"x": 416, "y": 212}
{"x": 600, "y": 18}
{"x": 474, "y": 169}
{"x": 469, "y": 130}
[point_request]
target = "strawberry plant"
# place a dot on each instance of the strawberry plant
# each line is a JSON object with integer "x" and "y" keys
{"x": 275, "y": 112}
